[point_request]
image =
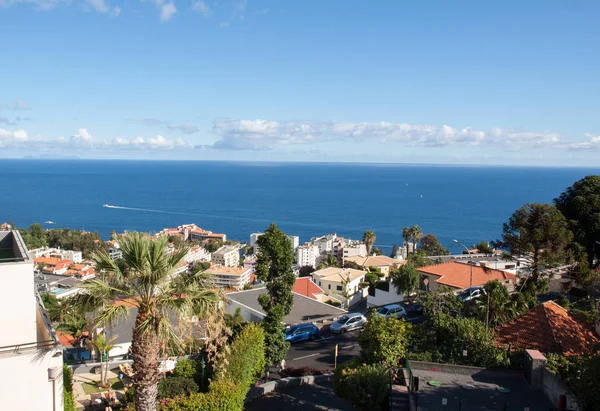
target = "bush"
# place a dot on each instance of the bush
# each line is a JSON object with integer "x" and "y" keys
{"x": 384, "y": 339}
{"x": 69, "y": 403}
{"x": 129, "y": 396}
{"x": 333, "y": 303}
{"x": 174, "y": 386}
{"x": 299, "y": 372}
{"x": 364, "y": 386}
{"x": 186, "y": 368}
{"x": 243, "y": 366}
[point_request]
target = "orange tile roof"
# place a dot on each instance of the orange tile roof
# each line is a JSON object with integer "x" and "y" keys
{"x": 66, "y": 340}
{"x": 457, "y": 275}
{"x": 52, "y": 261}
{"x": 549, "y": 328}
{"x": 221, "y": 269}
{"x": 304, "y": 286}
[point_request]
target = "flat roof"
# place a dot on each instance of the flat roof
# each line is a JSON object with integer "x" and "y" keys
{"x": 12, "y": 247}
{"x": 305, "y": 309}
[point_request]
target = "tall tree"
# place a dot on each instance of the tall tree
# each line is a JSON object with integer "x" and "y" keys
{"x": 274, "y": 268}
{"x": 417, "y": 234}
{"x": 394, "y": 251}
{"x": 329, "y": 261}
{"x": 103, "y": 345}
{"x": 539, "y": 231}
{"x": 369, "y": 238}
{"x": 146, "y": 281}
{"x": 406, "y": 279}
{"x": 580, "y": 204}
{"x": 430, "y": 245}
{"x": 484, "y": 247}
{"x": 35, "y": 236}
{"x": 407, "y": 235}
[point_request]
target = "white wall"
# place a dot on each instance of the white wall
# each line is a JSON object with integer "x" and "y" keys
{"x": 384, "y": 297}
{"x": 24, "y": 381}
{"x": 554, "y": 387}
{"x": 17, "y": 304}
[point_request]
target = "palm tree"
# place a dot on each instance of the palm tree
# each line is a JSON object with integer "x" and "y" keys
{"x": 103, "y": 346}
{"x": 329, "y": 261}
{"x": 417, "y": 234}
{"x": 369, "y": 238}
{"x": 407, "y": 235}
{"x": 145, "y": 278}
{"x": 74, "y": 325}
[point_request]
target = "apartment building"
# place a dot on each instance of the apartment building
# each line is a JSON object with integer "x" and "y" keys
{"x": 30, "y": 354}
{"x": 228, "y": 256}
{"x": 307, "y": 255}
{"x": 325, "y": 243}
{"x": 229, "y": 277}
{"x": 75, "y": 256}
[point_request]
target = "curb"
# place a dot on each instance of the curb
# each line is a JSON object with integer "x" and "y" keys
{"x": 274, "y": 386}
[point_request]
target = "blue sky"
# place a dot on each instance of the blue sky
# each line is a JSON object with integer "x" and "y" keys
{"x": 464, "y": 82}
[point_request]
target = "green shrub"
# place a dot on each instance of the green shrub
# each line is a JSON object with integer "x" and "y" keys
{"x": 245, "y": 363}
{"x": 223, "y": 396}
{"x": 69, "y": 403}
{"x": 365, "y": 386}
{"x": 186, "y": 368}
{"x": 174, "y": 386}
{"x": 299, "y": 372}
{"x": 384, "y": 339}
{"x": 129, "y": 396}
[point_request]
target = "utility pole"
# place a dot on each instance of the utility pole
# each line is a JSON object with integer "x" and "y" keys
{"x": 487, "y": 316}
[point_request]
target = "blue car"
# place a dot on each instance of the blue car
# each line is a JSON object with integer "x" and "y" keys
{"x": 302, "y": 332}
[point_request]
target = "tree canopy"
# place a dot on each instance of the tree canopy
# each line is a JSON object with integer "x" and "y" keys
{"x": 369, "y": 238}
{"x": 580, "y": 204}
{"x": 406, "y": 278}
{"x": 430, "y": 245}
{"x": 274, "y": 267}
{"x": 539, "y": 231}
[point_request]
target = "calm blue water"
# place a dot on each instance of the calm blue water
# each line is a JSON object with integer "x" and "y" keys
{"x": 467, "y": 203}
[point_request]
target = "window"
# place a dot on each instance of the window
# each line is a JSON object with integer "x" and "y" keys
{"x": 339, "y": 288}
{"x": 329, "y": 286}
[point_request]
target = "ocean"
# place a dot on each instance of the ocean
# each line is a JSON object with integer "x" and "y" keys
{"x": 468, "y": 203}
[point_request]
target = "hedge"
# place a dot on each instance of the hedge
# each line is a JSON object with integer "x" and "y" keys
{"x": 173, "y": 386}
{"x": 243, "y": 366}
{"x": 365, "y": 386}
{"x": 69, "y": 402}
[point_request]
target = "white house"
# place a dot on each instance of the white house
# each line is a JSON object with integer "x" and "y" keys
{"x": 197, "y": 254}
{"x": 30, "y": 355}
{"x": 227, "y": 255}
{"x": 384, "y": 297}
{"x": 337, "y": 281}
{"x": 75, "y": 256}
{"x": 325, "y": 243}
{"x": 250, "y": 263}
{"x": 307, "y": 255}
{"x": 355, "y": 249}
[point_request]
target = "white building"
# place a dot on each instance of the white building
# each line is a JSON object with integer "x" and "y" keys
{"x": 295, "y": 241}
{"x": 115, "y": 252}
{"x": 250, "y": 263}
{"x": 307, "y": 255}
{"x": 337, "y": 281}
{"x": 30, "y": 356}
{"x": 228, "y": 256}
{"x": 355, "y": 249}
{"x": 253, "y": 238}
{"x": 229, "y": 277}
{"x": 74, "y": 256}
{"x": 324, "y": 243}
{"x": 197, "y": 254}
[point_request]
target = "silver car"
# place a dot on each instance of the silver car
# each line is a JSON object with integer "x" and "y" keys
{"x": 348, "y": 322}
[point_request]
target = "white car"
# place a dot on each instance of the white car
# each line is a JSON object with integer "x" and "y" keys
{"x": 392, "y": 309}
{"x": 471, "y": 294}
{"x": 348, "y": 322}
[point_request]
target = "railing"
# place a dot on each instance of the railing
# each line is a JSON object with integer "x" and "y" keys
{"x": 41, "y": 345}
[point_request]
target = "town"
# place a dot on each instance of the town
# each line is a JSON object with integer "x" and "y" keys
{"x": 273, "y": 312}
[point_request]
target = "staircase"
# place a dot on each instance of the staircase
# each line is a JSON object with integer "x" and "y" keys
{"x": 400, "y": 395}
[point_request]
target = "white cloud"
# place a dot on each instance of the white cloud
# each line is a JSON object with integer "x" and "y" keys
{"x": 83, "y": 140}
{"x": 98, "y": 5}
{"x": 187, "y": 128}
{"x": 264, "y": 134}
{"x": 592, "y": 144}
{"x": 201, "y": 7}
{"x": 39, "y": 4}
{"x": 167, "y": 11}
{"x": 20, "y": 104}
{"x": 116, "y": 11}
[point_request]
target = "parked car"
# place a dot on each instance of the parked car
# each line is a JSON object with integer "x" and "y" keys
{"x": 302, "y": 332}
{"x": 392, "y": 309}
{"x": 470, "y": 294}
{"x": 348, "y": 322}
{"x": 417, "y": 308}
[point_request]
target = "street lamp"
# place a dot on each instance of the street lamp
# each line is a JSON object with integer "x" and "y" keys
{"x": 470, "y": 264}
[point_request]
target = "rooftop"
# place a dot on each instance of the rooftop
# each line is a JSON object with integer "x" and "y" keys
{"x": 219, "y": 269}
{"x": 304, "y": 286}
{"x": 226, "y": 249}
{"x": 375, "y": 261}
{"x": 304, "y": 310}
{"x": 12, "y": 247}
{"x": 457, "y": 275}
{"x": 338, "y": 274}
{"x": 549, "y": 328}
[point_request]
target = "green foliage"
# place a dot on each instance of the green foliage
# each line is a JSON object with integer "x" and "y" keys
{"x": 306, "y": 270}
{"x": 329, "y": 261}
{"x": 377, "y": 251}
{"x": 352, "y": 264}
{"x": 212, "y": 245}
{"x": 129, "y": 397}
{"x": 430, "y": 245}
{"x": 539, "y": 230}
{"x": 299, "y": 372}
{"x": 484, "y": 247}
{"x": 369, "y": 238}
{"x": 333, "y": 303}
{"x": 406, "y": 278}
{"x": 500, "y": 308}
{"x": 246, "y": 360}
{"x": 416, "y": 234}
{"x": 365, "y": 386}
{"x": 186, "y": 368}
{"x": 235, "y": 322}
{"x": 384, "y": 339}
{"x": 69, "y": 402}
{"x": 441, "y": 301}
{"x": 447, "y": 338}
{"x": 222, "y": 396}
{"x": 53, "y": 306}
{"x": 371, "y": 280}
{"x": 394, "y": 251}
{"x": 274, "y": 267}
{"x": 173, "y": 386}
{"x": 580, "y": 374}
{"x": 419, "y": 259}
{"x": 76, "y": 240}
{"x": 35, "y": 236}
{"x": 580, "y": 204}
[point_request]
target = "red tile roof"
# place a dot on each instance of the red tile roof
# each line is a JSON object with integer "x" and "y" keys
{"x": 457, "y": 275}
{"x": 549, "y": 328}
{"x": 304, "y": 286}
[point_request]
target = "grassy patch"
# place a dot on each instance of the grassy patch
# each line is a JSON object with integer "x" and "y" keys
{"x": 91, "y": 388}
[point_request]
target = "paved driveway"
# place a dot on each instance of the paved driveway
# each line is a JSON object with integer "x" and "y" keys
{"x": 305, "y": 397}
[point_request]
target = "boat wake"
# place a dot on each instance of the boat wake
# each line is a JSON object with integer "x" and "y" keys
{"x": 149, "y": 210}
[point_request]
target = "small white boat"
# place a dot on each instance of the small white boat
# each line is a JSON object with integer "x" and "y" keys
{"x": 48, "y": 222}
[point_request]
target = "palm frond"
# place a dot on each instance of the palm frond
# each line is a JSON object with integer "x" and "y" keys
{"x": 111, "y": 315}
